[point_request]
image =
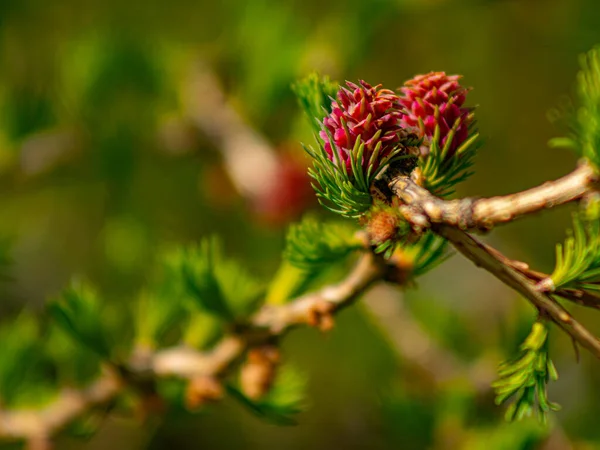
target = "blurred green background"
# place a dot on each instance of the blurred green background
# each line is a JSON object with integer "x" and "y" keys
{"x": 107, "y": 156}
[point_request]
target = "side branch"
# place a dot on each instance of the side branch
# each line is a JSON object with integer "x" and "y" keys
{"x": 484, "y": 213}
{"x": 578, "y": 296}
{"x": 449, "y": 219}
{"x": 306, "y": 309}
{"x": 40, "y": 424}
{"x": 317, "y": 308}
{"x": 480, "y": 254}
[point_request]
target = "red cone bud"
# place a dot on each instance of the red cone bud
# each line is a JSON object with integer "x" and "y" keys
{"x": 371, "y": 113}
{"x": 420, "y": 97}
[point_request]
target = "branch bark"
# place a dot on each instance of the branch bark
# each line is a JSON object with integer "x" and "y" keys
{"x": 38, "y": 425}
{"x": 449, "y": 219}
{"x": 481, "y": 256}
{"x": 578, "y": 296}
{"x": 484, "y": 213}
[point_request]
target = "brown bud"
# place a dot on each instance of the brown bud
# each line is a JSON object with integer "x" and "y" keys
{"x": 382, "y": 226}
{"x": 320, "y": 315}
{"x": 258, "y": 372}
{"x": 201, "y": 390}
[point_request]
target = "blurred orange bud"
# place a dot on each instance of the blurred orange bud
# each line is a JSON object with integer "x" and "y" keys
{"x": 202, "y": 390}
{"x": 259, "y": 370}
{"x": 320, "y": 315}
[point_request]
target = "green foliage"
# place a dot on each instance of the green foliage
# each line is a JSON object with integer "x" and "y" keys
{"x": 78, "y": 312}
{"x": 201, "y": 330}
{"x": 167, "y": 309}
{"x": 347, "y": 192}
{"x": 262, "y": 82}
{"x": 427, "y": 253}
{"x": 315, "y": 94}
{"x": 104, "y": 72}
{"x": 282, "y": 403}
{"x": 526, "y": 376}
{"x": 19, "y": 346}
{"x": 313, "y": 251}
{"x": 168, "y": 306}
{"x": 441, "y": 170}
{"x": 408, "y": 419}
{"x": 335, "y": 186}
{"x": 578, "y": 259}
{"x": 156, "y": 316}
{"x": 73, "y": 363}
{"x": 26, "y": 111}
{"x": 198, "y": 272}
{"x": 289, "y": 282}
{"x": 588, "y": 82}
{"x": 242, "y": 292}
{"x": 386, "y": 248}
{"x": 523, "y": 435}
{"x": 312, "y": 245}
{"x": 220, "y": 287}
{"x": 584, "y": 124}
{"x": 163, "y": 305}
{"x": 116, "y": 92}
{"x": 85, "y": 427}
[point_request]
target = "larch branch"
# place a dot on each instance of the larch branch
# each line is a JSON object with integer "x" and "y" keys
{"x": 450, "y": 218}
{"x": 38, "y": 425}
{"x": 484, "y": 213}
{"x": 482, "y": 257}
{"x": 35, "y": 424}
{"x": 269, "y": 322}
{"x": 578, "y": 296}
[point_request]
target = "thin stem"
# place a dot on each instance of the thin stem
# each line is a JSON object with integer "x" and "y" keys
{"x": 37, "y": 425}
{"x": 368, "y": 269}
{"x": 578, "y": 296}
{"x": 483, "y": 257}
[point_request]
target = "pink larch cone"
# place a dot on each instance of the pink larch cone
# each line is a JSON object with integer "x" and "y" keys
{"x": 362, "y": 111}
{"x": 420, "y": 97}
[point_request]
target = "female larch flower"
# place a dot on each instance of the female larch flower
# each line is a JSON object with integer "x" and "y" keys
{"x": 366, "y": 112}
{"x": 425, "y": 94}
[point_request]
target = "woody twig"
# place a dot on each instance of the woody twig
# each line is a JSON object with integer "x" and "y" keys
{"x": 451, "y": 218}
